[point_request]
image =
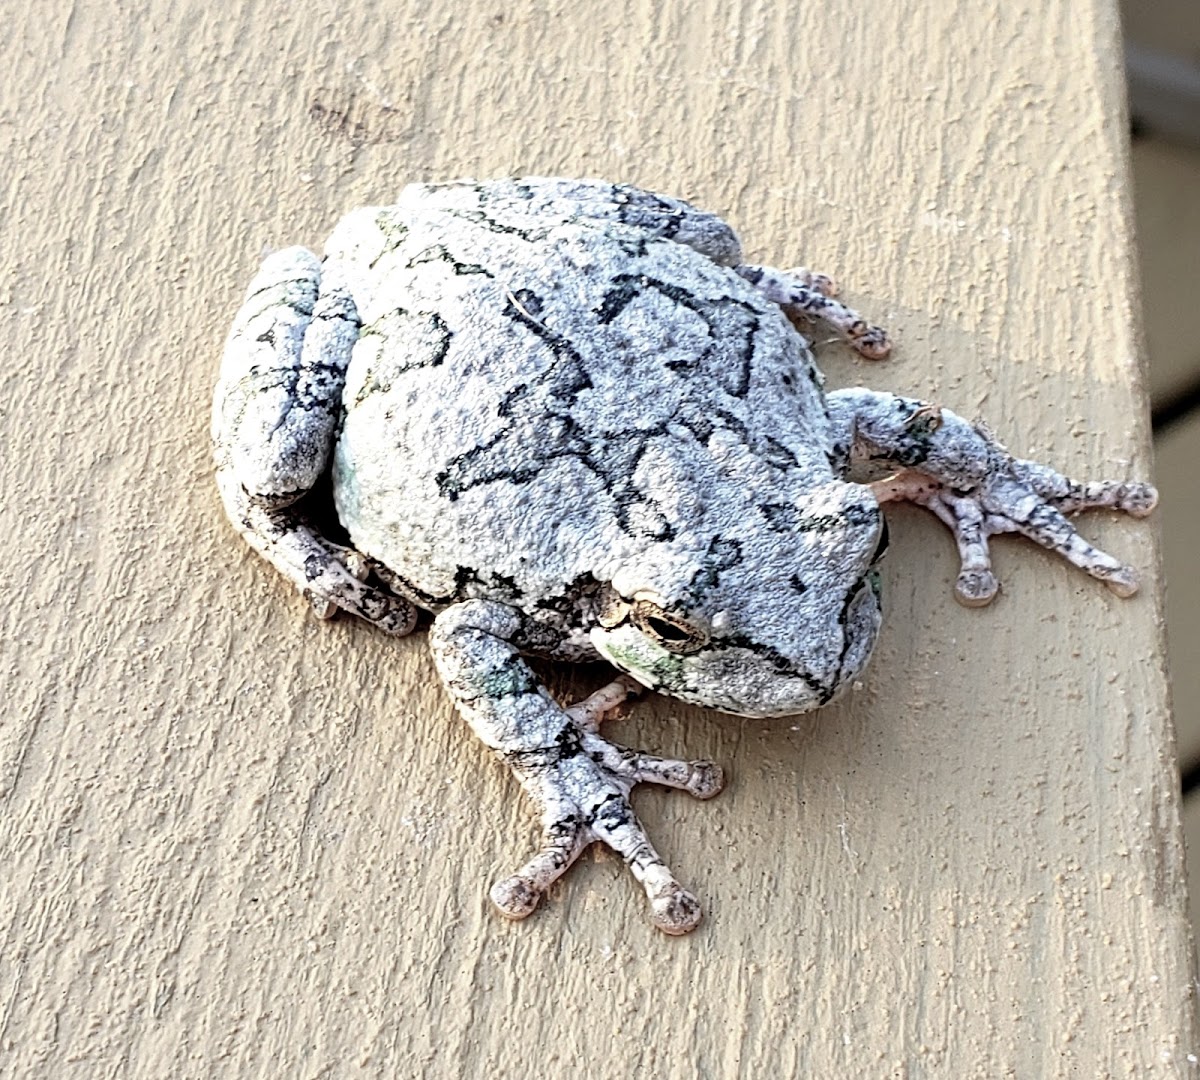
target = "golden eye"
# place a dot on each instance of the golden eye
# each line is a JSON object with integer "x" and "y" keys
{"x": 614, "y": 610}
{"x": 668, "y": 630}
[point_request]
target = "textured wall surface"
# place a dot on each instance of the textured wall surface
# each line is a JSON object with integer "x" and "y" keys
{"x": 238, "y": 842}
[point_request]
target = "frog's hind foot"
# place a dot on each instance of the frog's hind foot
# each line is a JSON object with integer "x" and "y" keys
{"x": 810, "y": 296}
{"x": 329, "y": 575}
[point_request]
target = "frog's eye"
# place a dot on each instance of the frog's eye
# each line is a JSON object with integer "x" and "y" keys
{"x": 882, "y": 546}
{"x": 666, "y": 629}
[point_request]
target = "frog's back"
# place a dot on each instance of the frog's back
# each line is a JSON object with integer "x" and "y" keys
{"x": 537, "y": 394}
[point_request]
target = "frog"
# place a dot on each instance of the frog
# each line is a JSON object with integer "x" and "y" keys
{"x": 566, "y": 419}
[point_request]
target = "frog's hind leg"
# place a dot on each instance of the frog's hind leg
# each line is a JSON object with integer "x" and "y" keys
{"x": 811, "y": 296}
{"x": 274, "y": 416}
{"x": 548, "y": 199}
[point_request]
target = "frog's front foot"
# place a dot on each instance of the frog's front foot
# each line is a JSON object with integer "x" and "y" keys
{"x": 582, "y": 789}
{"x": 1019, "y": 507}
{"x": 579, "y": 781}
{"x": 810, "y": 296}
{"x": 978, "y": 490}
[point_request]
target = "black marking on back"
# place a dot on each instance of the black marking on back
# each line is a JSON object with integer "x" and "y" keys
{"x": 491, "y": 224}
{"x": 722, "y": 554}
{"x": 440, "y": 253}
{"x": 729, "y": 321}
{"x": 411, "y": 339}
{"x": 548, "y": 402}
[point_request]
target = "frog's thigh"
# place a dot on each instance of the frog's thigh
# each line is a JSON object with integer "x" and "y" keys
{"x": 274, "y": 414}
{"x": 659, "y": 216}
{"x": 282, "y": 375}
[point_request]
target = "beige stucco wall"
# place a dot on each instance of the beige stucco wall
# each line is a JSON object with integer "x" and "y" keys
{"x": 237, "y": 842}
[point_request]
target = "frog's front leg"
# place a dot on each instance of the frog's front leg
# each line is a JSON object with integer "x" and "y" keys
{"x": 962, "y": 474}
{"x": 275, "y": 411}
{"x": 579, "y": 781}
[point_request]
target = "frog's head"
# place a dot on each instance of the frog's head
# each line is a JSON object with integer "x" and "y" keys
{"x": 771, "y": 613}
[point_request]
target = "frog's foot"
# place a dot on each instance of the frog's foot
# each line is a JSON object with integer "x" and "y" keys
{"x": 582, "y": 790}
{"x": 355, "y": 563}
{"x": 960, "y": 472}
{"x": 1025, "y": 498}
{"x": 810, "y": 295}
{"x": 579, "y": 781}
{"x": 608, "y": 703}
{"x": 329, "y": 575}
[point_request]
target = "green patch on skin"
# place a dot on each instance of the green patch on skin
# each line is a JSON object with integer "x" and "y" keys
{"x": 507, "y": 682}
{"x": 664, "y": 669}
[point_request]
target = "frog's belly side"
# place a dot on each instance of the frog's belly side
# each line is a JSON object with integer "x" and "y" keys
{"x": 508, "y": 434}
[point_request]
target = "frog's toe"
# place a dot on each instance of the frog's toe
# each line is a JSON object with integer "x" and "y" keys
{"x": 1123, "y": 581}
{"x": 322, "y": 608}
{"x": 1026, "y": 498}
{"x": 355, "y": 564}
{"x": 870, "y": 342}
{"x": 673, "y": 909}
{"x": 707, "y": 779}
{"x": 675, "y": 912}
{"x": 1132, "y": 497}
{"x": 1139, "y": 499}
{"x": 809, "y": 296}
{"x": 607, "y": 703}
{"x": 515, "y": 897}
{"x": 976, "y": 587}
{"x": 1071, "y": 496}
{"x": 564, "y": 836}
{"x": 703, "y": 779}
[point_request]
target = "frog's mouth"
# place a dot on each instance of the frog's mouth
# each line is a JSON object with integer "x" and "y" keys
{"x": 723, "y": 677}
{"x": 730, "y": 672}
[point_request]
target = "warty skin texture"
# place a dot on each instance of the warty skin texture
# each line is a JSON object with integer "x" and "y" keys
{"x": 564, "y": 417}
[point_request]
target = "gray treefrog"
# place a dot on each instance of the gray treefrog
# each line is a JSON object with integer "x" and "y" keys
{"x": 567, "y": 419}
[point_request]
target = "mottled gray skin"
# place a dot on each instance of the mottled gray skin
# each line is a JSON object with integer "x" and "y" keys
{"x": 566, "y": 418}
